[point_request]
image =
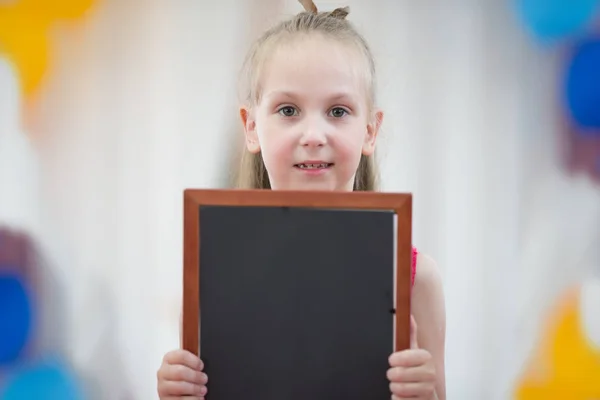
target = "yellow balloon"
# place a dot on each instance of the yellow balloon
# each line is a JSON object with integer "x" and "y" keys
{"x": 24, "y": 39}
{"x": 566, "y": 364}
{"x": 55, "y": 9}
{"x": 26, "y": 46}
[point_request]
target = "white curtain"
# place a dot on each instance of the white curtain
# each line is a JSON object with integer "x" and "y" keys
{"x": 141, "y": 104}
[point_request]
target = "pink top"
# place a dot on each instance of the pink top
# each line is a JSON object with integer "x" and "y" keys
{"x": 415, "y": 253}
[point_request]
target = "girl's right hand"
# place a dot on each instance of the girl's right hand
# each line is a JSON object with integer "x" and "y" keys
{"x": 180, "y": 377}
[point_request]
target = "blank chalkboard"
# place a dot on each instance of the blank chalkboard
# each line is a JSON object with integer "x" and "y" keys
{"x": 292, "y": 299}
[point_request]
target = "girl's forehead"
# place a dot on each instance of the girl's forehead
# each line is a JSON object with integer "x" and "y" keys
{"x": 314, "y": 50}
{"x": 314, "y": 64}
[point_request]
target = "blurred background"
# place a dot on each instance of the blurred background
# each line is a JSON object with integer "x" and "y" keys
{"x": 110, "y": 108}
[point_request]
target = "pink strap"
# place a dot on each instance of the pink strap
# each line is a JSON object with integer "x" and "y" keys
{"x": 413, "y": 271}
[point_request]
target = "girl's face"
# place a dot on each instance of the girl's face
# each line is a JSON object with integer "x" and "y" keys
{"x": 313, "y": 120}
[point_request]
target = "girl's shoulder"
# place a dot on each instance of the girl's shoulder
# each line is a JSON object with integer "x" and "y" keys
{"x": 426, "y": 276}
{"x": 425, "y": 266}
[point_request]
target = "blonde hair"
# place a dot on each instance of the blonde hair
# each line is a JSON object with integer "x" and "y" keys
{"x": 253, "y": 173}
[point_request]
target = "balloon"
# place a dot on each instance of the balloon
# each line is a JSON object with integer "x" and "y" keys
{"x": 565, "y": 364}
{"x": 25, "y": 43}
{"x": 551, "y": 20}
{"x": 15, "y": 320}
{"x": 583, "y": 87}
{"x": 48, "y": 380}
{"x": 24, "y": 28}
{"x": 56, "y": 9}
{"x": 582, "y": 152}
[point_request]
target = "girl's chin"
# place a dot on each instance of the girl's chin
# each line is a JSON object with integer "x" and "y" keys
{"x": 315, "y": 186}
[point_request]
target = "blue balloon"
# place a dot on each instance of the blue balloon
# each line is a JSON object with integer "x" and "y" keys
{"x": 583, "y": 87}
{"x": 47, "y": 380}
{"x": 15, "y": 318}
{"x": 551, "y": 20}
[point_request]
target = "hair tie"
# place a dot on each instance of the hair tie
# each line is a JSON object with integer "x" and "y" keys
{"x": 340, "y": 13}
{"x": 309, "y": 6}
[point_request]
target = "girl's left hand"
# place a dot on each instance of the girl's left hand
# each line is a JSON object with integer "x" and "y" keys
{"x": 412, "y": 372}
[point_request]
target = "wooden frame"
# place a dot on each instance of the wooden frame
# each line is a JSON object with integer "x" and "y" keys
{"x": 401, "y": 203}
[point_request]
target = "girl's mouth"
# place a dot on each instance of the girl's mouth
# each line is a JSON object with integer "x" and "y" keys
{"x": 313, "y": 166}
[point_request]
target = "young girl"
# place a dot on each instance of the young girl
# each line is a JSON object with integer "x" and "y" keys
{"x": 310, "y": 124}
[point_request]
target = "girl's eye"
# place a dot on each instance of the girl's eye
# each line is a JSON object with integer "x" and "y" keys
{"x": 338, "y": 112}
{"x": 288, "y": 111}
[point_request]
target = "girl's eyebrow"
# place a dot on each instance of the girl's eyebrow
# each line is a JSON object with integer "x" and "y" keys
{"x": 281, "y": 93}
{"x": 342, "y": 96}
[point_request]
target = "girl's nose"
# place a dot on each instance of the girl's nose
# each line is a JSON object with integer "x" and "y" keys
{"x": 314, "y": 135}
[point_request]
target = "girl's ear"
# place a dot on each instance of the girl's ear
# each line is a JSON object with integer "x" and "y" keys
{"x": 249, "y": 123}
{"x": 372, "y": 132}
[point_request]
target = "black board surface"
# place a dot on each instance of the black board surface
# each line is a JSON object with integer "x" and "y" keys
{"x": 296, "y": 303}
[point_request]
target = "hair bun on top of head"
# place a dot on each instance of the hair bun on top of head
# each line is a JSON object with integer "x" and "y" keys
{"x": 339, "y": 13}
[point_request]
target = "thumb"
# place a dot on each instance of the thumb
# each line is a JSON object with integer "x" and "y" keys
{"x": 413, "y": 333}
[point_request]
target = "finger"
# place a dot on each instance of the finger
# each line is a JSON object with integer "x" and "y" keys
{"x": 401, "y": 374}
{"x": 184, "y": 357}
{"x": 409, "y": 390}
{"x": 201, "y": 397}
{"x": 182, "y": 398}
{"x": 413, "y": 333}
{"x": 182, "y": 373}
{"x": 394, "y": 397}
{"x": 409, "y": 358}
{"x": 180, "y": 388}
